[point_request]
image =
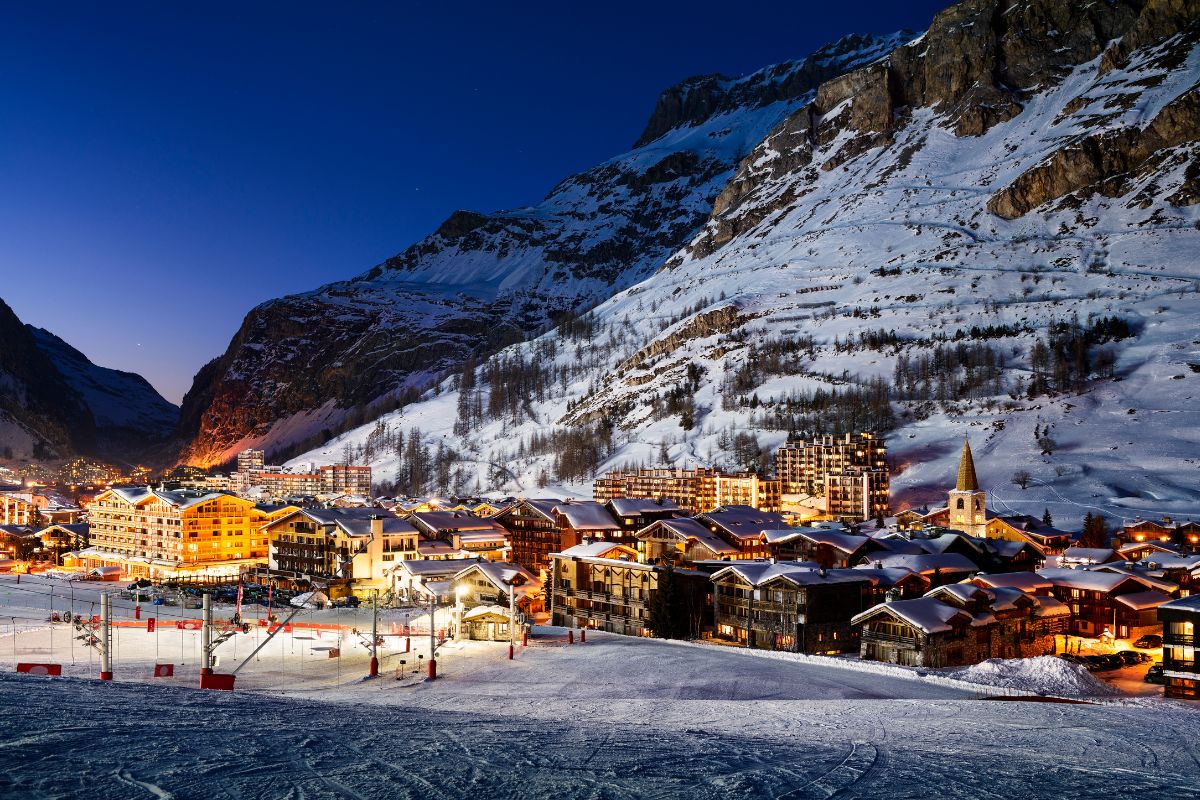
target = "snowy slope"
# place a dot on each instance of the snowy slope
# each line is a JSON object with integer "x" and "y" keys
{"x": 902, "y": 202}
{"x": 302, "y": 363}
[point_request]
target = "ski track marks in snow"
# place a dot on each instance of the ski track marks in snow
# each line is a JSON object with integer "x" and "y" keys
{"x": 130, "y": 740}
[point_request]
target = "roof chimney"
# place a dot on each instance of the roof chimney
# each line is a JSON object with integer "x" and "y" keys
{"x": 376, "y": 525}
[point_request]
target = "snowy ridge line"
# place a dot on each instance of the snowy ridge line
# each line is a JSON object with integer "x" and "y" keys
{"x": 894, "y": 670}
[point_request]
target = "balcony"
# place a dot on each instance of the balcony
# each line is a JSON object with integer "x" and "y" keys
{"x": 891, "y": 638}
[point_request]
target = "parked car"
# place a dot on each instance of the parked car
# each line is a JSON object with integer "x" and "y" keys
{"x": 1155, "y": 674}
{"x": 1149, "y": 642}
{"x": 1103, "y": 663}
{"x": 349, "y": 601}
{"x": 1132, "y": 657}
{"x": 1074, "y": 659}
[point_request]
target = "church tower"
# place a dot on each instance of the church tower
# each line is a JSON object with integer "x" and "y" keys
{"x": 968, "y": 504}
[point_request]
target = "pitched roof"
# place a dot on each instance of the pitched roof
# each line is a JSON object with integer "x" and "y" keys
{"x": 1025, "y": 581}
{"x": 927, "y": 614}
{"x": 499, "y": 573}
{"x": 1190, "y": 603}
{"x": 798, "y": 573}
{"x": 1092, "y": 555}
{"x": 685, "y": 528}
{"x": 744, "y": 522}
{"x": 1140, "y": 601}
{"x": 587, "y": 515}
{"x": 929, "y": 562}
{"x": 1092, "y": 580}
{"x": 632, "y": 506}
{"x": 598, "y": 550}
{"x": 967, "y": 482}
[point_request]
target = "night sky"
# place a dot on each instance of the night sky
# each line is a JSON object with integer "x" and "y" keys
{"x": 167, "y": 166}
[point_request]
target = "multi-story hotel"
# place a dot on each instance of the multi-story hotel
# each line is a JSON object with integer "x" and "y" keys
{"x": 803, "y": 465}
{"x": 153, "y": 533}
{"x": 856, "y": 494}
{"x": 17, "y": 508}
{"x": 748, "y": 489}
{"x": 694, "y": 490}
{"x": 342, "y": 478}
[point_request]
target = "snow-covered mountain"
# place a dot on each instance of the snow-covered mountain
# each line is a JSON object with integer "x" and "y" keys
{"x": 304, "y": 363}
{"x": 55, "y": 403}
{"x": 991, "y": 232}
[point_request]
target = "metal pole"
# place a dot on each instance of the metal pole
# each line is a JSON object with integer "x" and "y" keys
{"x": 105, "y": 639}
{"x": 432, "y": 638}
{"x": 374, "y": 634}
{"x": 206, "y": 635}
{"x": 512, "y": 617}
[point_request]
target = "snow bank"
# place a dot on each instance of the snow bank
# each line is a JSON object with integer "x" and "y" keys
{"x": 1042, "y": 675}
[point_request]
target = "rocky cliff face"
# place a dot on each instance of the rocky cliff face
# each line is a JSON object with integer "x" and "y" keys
{"x": 301, "y": 364}
{"x": 55, "y": 403}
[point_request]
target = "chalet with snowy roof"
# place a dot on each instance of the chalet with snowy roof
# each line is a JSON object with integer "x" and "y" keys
{"x": 1180, "y": 621}
{"x": 603, "y": 586}
{"x": 792, "y": 606}
{"x": 895, "y": 582}
{"x": 1028, "y": 582}
{"x": 683, "y": 541}
{"x": 56, "y": 539}
{"x": 961, "y": 624}
{"x": 825, "y": 545}
{"x": 488, "y": 583}
{"x": 633, "y": 513}
{"x": 1106, "y": 603}
{"x": 939, "y": 568}
{"x": 412, "y": 579}
{"x": 1184, "y": 536}
{"x": 579, "y": 519}
{"x": 744, "y": 526}
{"x": 534, "y": 532}
{"x": 1140, "y": 551}
{"x": 1087, "y": 556}
{"x": 471, "y": 535}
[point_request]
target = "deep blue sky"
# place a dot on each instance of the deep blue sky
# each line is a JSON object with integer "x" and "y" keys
{"x": 166, "y": 166}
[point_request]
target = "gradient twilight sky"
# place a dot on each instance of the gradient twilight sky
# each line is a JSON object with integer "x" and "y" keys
{"x": 164, "y": 167}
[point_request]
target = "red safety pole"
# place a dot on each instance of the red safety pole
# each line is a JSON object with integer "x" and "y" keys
{"x": 510, "y": 651}
{"x": 582, "y": 635}
{"x": 137, "y": 611}
{"x": 525, "y": 638}
{"x": 570, "y": 637}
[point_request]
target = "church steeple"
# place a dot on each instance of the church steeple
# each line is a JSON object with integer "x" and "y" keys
{"x": 967, "y": 482}
{"x": 968, "y": 503}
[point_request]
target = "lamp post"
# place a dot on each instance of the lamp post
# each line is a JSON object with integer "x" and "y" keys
{"x": 432, "y": 637}
{"x": 512, "y": 584}
{"x": 460, "y": 592}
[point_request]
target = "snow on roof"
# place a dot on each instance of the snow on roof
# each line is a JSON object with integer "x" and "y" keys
{"x": 757, "y": 573}
{"x": 1157, "y": 546}
{"x": 499, "y": 573}
{"x": 426, "y": 566}
{"x": 1140, "y": 601}
{"x": 1048, "y": 606}
{"x": 539, "y": 505}
{"x": 598, "y": 550}
{"x": 941, "y": 543}
{"x": 1146, "y": 576}
{"x": 486, "y": 611}
{"x": 632, "y": 506}
{"x": 587, "y": 515}
{"x": 1093, "y": 555}
{"x": 453, "y": 521}
{"x": 1191, "y": 604}
{"x": 1091, "y": 580}
{"x": 928, "y": 562}
{"x": 890, "y": 576}
{"x": 839, "y": 540}
{"x": 962, "y": 592}
{"x": 744, "y": 522}
{"x": 899, "y": 544}
{"x": 685, "y": 528}
{"x": 926, "y": 614}
{"x": 362, "y": 527}
{"x": 1025, "y": 581}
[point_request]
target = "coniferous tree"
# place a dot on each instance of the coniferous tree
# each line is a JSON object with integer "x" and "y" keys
{"x": 1047, "y": 519}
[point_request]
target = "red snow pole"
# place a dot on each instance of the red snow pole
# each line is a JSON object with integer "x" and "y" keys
{"x": 374, "y": 667}
{"x": 570, "y": 637}
{"x": 407, "y": 643}
{"x": 582, "y": 635}
{"x": 510, "y": 651}
{"x": 525, "y": 638}
{"x": 137, "y": 611}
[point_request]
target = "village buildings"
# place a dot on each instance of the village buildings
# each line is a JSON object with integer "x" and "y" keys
{"x": 1181, "y": 669}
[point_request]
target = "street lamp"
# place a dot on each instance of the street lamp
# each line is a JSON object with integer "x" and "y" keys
{"x": 512, "y": 584}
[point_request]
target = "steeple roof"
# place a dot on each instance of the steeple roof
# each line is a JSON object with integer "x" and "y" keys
{"x": 967, "y": 482}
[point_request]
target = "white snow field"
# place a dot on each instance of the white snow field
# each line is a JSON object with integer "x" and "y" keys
{"x": 614, "y": 717}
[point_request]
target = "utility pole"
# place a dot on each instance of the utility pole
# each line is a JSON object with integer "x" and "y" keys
{"x": 206, "y": 635}
{"x": 375, "y": 634}
{"x": 432, "y": 637}
{"x": 105, "y": 638}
